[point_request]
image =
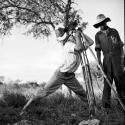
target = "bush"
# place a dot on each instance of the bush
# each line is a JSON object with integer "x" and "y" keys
{"x": 33, "y": 84}
{"x": 14, "y": 99}
{"x": 3, "y": 103}
{"x": 9, "y": 115}
{"x": 1, "y": 83}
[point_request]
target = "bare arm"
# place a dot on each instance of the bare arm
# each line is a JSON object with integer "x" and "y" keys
{"x": 79, "y": 46}
{"x": 98, "y": 49}
{"x": 87, "y": 41}
{"x": 98, "y": 53}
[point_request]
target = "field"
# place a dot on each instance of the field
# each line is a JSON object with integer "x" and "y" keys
{"x": 57, "y": 109}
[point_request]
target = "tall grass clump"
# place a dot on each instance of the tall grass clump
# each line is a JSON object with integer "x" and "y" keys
{"x": 14, "y": 99}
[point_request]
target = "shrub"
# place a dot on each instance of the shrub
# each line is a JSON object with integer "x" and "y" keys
{"x": 14, "y": 99}
{"x": 42, "y": 84}
{"x": 1, "y": 83}
{"x": 3, "y": 103}
{"x": 33, "y": 84}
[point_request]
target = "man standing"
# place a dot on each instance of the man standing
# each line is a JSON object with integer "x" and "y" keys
{"x": 108, "y": 41}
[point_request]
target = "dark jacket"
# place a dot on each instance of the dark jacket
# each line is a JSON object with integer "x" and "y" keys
{"x": 109, "y": 42}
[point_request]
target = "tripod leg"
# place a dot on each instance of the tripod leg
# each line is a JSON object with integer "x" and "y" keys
{"x": 88, "y": 82}
{"x": 27, "y": 104}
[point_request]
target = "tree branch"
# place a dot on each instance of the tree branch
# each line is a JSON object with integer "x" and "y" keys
{"x": 67, "y": 10}
{"x": 37, "y": 23}
{"x": 46, "y": 22}
{"x": 55, "y": 4}
{"x": 23, "y": 8}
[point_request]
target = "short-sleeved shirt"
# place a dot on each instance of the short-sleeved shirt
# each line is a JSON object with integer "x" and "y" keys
{"x": 108, "y": 42}
{"x": 71, "y": 58}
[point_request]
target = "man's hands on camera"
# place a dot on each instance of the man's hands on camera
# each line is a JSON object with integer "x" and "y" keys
{"x": 85, "y": 47}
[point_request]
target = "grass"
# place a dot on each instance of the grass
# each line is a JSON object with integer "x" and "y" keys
{"x": 14, "y": 99}
{"x": 56, "y": 109}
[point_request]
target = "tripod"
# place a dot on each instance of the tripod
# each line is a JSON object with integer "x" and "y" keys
{"x": 88, "y": 82}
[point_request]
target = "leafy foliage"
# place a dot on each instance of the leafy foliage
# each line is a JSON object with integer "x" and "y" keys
{"x": 14, "y": 99}
{"x": 38, "y": 15}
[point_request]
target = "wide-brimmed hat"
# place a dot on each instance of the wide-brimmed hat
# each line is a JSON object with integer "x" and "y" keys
{"x": 101, "y": 19}
{"x": 60, "y": 32}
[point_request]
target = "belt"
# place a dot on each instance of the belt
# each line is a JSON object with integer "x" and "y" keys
{"x": 67, "y": 74}
{"x": 112, "y": 53}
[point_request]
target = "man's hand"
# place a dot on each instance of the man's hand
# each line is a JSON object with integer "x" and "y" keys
{"x": 99, "y": 58}
{"x": 85, "y": 46}
{"x": 100, "y": 63}
{"x": 79, "y": 45}
{"x": 124, "y": 55}
{"x": 124, "y": 63}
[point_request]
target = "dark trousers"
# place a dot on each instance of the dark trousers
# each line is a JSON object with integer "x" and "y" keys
{"x": 113, "y": 68}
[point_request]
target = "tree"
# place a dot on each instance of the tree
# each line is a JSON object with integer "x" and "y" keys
{"x": 38, "y": 15}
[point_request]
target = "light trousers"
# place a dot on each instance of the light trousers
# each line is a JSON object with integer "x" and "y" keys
{"x": 67, "y": 79}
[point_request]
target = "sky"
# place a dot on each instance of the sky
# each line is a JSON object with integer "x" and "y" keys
{"x": 25, "y": 58}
